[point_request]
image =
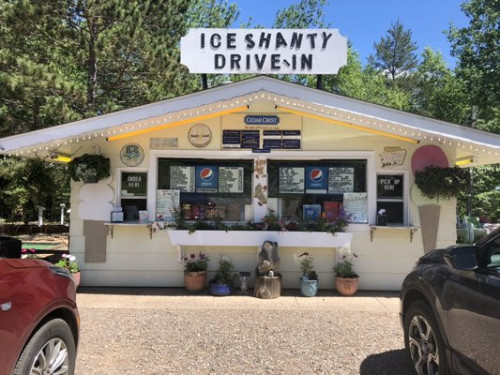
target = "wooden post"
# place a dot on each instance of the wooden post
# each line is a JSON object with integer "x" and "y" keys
{"x": 267, "y": 287}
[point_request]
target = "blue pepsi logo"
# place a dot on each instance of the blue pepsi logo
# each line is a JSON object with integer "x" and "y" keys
{"x": 316, "y": 175}
{"x": 206, "y": 174}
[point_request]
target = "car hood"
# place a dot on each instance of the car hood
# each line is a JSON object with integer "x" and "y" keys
{"x": 434, "y": 256}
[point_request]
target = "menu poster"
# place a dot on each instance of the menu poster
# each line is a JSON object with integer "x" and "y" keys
{"x": 340, "y": 180}
{"x": 291, "y": 180}
{"x": 231, "y": 179}
{"x": 182, "y": 178}
{"x": 207, "y": 179}
{"x": 356, "y": 205}
{"x": 167, "y": 201}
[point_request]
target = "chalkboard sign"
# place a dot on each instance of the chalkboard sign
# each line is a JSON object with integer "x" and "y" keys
{"x": 134, "y": 184}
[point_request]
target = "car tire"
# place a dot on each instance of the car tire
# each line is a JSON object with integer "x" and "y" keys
{"x": 50, "y": 350}
{"x": 423, "y": 341}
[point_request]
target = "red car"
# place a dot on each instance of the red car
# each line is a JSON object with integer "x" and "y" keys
{"x": 39, "y": 320}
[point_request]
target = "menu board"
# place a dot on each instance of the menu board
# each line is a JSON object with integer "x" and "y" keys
{"x": 241, "y": 139}
{"x": 134, "y": 184}
{"x": 167, "y": 201}
{"x": 281, "y": 139}
{"x": 182, "y": 178}
{"x": 340, "y": 180}
{"x": 356, "y": 205}
{"x": 291, "y": 180}
{"x": 231, "y": 179}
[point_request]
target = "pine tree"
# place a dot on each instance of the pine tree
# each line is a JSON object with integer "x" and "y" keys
{"x": 395, "y": 53}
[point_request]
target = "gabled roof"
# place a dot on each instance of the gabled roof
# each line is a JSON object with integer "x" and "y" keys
{"x": 484, "y": 146}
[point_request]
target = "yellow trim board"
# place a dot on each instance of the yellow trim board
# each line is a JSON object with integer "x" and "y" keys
{"x": 341, "y": 123}
{"x": 175, "y": 123}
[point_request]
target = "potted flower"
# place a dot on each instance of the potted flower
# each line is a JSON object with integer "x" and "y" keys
{"x": 309, "y": 279}
{"x": 89, "y": 168}
{"x": 346, "y": 279}
{"x": 222, "y": 283}
{"x": 70, "y": 263}
{"x": 195, "y": 271}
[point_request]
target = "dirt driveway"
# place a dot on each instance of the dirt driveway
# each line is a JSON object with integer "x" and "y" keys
{"x": 165, "y": 331}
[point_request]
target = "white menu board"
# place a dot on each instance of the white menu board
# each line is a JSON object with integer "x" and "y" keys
{"x": 167, "y": 201}
{"x": 182, "y": 178}
{"x": 356, "y": 205}
{"x": 291, "y": 180}
{"x": 340, "y": 180}
{"x": 231, "y": 179}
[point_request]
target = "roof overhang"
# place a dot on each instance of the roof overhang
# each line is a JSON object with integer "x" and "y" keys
{"x": 480, "y": 147}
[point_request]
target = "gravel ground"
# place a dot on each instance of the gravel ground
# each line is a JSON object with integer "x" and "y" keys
{"x": 148, "y": 337}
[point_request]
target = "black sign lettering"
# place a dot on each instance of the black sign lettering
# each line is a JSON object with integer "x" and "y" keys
{"x": 220, "y": 61}
{"x": 215, "y": 41}
{"x": 249, "y": 40}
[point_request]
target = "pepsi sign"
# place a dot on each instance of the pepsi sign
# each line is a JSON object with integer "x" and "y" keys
{"x": 317, "y": 180}
{"x": 207, "y": 179}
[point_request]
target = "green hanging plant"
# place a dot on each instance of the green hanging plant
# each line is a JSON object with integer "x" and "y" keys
{"x": 89, "y": 168}
{"x": 442, "y": 183}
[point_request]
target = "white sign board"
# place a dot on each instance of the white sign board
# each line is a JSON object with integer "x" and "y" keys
{"x": 264, "y": 51}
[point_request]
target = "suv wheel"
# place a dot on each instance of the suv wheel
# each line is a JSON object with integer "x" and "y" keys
{"x": 51, "y": 350}
{"x": 423, "y": 342}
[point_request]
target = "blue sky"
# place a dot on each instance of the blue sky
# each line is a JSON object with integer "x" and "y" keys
{"x": 364, "y": 22}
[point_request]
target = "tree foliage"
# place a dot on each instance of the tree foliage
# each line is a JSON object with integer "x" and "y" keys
{"x": 29, "y": 184}
{"x": 477, "y": 49}
{"x": 395, "y": 53}
{"x": 64, "y": 60}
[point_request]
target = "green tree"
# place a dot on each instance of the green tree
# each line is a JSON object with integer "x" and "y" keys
{"x": 39, "y": 84}
{"x": 395, "y": 54}
{"x": 305, "y": 14}
{"x": 33, "y": 183}
{"x": 439, "y": 93}
{"x": 63, "y": 60}
{"x": 366, "y": 84}
{"x": 477, "y": 48}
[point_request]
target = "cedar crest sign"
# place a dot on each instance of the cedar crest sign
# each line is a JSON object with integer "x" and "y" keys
{"x": 264, "y": 51}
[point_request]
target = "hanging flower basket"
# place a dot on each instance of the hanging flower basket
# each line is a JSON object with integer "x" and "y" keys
{"x": 442, "y": 183}
{"x": 89, "y": 168}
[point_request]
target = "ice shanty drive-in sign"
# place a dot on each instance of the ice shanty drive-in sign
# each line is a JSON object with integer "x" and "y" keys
{"x": 264, "y": 51}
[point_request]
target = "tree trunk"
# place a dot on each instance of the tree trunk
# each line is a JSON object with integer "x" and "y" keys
{"x": 267, "y": 287}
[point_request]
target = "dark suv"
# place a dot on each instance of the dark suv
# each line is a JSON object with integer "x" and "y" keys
{"x": 450, "y": 310}
{"x": 39, "y": 321}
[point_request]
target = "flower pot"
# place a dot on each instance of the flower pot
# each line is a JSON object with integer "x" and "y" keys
{"x": 308, "y": 288}
{"x": 347, "y": 286}
{"x": 221, "y": 289}
{"x": 195, "y": 281}
{"x": 76, "y": 278}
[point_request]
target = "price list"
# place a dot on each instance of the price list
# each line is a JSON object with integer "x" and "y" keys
{"x": 291, "y": 180}
{"x": 241, "y": 139}
{"x": 182, "y": 178}
{"x": 281, "y": 139}
{"x": 231, "y": 179}
{"x": 340, "y": 180}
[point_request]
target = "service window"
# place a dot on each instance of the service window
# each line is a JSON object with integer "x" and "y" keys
{"x": 390, "y": 197}
{"x": 319, "y": 188}
{"x": 209, "y": 189}
{"x": 133, "y": 194}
